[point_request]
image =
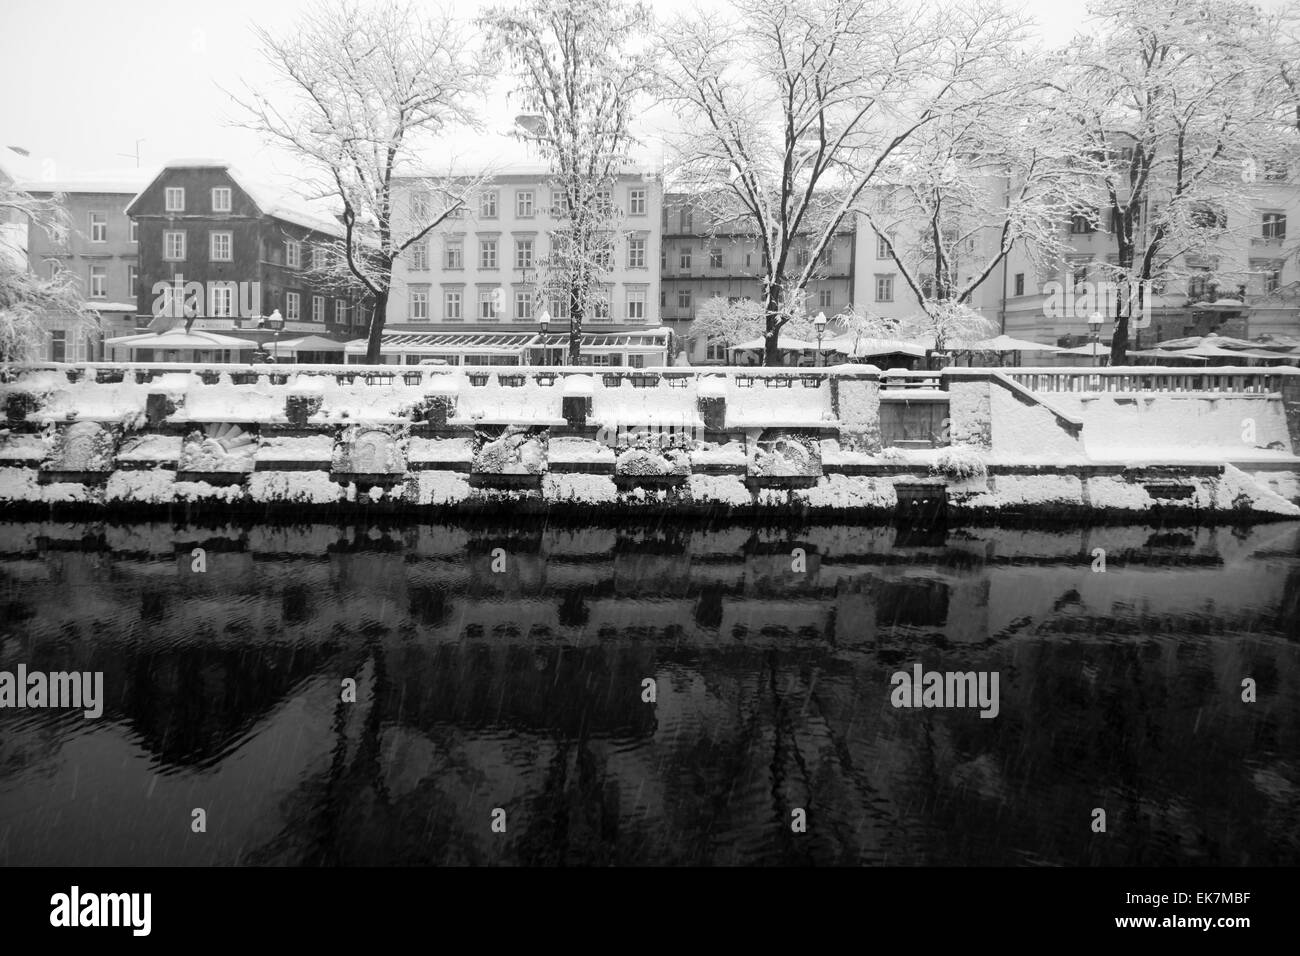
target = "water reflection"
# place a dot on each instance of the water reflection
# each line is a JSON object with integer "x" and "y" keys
{"x": 500, "y": 666}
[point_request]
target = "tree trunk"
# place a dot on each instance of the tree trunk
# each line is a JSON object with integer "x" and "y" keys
{"x": 772, "y": 332}
{"x": 575, "y": 325}
{"x": 373, "y": 356}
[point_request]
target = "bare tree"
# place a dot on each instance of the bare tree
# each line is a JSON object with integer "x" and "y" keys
{"x": 25, "y": 295}
{"x": 368, "y": 90}
{"x": 955, "y": 199}
{"x": 798, "y": 104}
{"x": 580, "y": 69}
{"x": 1179, "y": 101}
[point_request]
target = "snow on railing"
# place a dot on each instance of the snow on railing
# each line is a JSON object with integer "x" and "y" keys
{"x": 1167, "y": 379}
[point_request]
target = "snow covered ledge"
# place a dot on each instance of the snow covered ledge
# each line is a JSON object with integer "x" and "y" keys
{"x": 703, "y": 440}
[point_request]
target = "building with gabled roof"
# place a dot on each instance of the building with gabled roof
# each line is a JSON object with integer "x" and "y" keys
{"x": 225, "y": 252}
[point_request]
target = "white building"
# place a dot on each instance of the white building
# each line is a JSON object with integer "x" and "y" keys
{"x": 480, "y": 271}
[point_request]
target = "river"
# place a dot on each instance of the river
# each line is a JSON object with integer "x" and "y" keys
{"x": 504, "y": 675}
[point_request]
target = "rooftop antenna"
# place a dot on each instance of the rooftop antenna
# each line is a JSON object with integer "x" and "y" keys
{"x": 136, "y": 154}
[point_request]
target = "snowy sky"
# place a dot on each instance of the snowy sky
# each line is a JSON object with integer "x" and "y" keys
{"x": 84, "y": 80}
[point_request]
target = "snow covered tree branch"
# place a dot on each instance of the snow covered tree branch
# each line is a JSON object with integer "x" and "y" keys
{"x": 798, "y": 105}
{"x": 24, "y": 293}
{"x": 368, "y": 89}
{"x": 580, "y": 69}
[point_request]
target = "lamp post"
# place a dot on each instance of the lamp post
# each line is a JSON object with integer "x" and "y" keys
{"x": 1094, "y": 326}
{"x": 275, "y": 322}
{"x": 820, "y": 324}
{"x": 544, "y": 321}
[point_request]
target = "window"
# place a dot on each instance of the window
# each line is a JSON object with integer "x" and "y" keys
{"x": 419, "y": 305}
{"x": 318, "y": 308}
{"x": 219, "y": 244}
{"x": 605, "y": 256}
{"x": 927, "y": 286}
{"x": 292, "y": 306}
{"x": 98, "y": 282}
{"x": 1275, "y": 170}
{"x": 604, "y": 201}
{"x": 340, "y": 312}
{"x": 749, "y": 260}
{"x": 715, "y": 258}
{"x": 687, "y": 219}
{"x": 524, "y": 204}
{"x": 1081, "y": 224}
{"x": 98, "y": 227}
{"x": 174, "y": 245}
{"x": 487, "y": 304}
{"x": 523, "y": 306}
{"x": 558, "y": 306}
{"x": 451, "y": 305}
{"x": 55, "y": 268}
{"x": 1199, "y": 286}
{"x": 419, "y": 208}
{"x": 663, "y": 259}
{"x": 174, "y": 199}
{"x": 1209, "y": 217}
{"x": 487, "y": 254}
{"x": 1270, "y": 272}
{"x": 636, "y": 205}
{"x": 132, "y": 280}
{"x": 523, "y": 253}
{"x": 824, "y": 299}
{"x": 684, "y": 299}
{"x": 455, "y": 255}
{"x": 685, "y": 259}
{"x": 1274, "y": 225}
{"x": 636, "y": 305}
{"x": 885, "y": 288}
{"x": 882, "y": 247}
{"x": 58, "y": 346}
{"x": 221, "y": 299}
{"x": 600, "y": 305}
{"x": 636, "y": 253}
{"x": 487, "y": 205}
{"x": 221, "y": 199}
{"x": 1078, "y": 274}
{"x": 716, "y": 353}
{"x": 420, "y": 256}
{"x": 1020, "y": 283}
{"x": 559, "y": 204}
{"x": 135, "y": 231}
{"x": 293, "y": 254}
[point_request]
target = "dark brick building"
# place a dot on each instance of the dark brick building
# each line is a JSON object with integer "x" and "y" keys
{"x": 235, "y": 252}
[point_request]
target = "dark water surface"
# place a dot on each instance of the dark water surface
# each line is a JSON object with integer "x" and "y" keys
{"x": 522, "y": 690}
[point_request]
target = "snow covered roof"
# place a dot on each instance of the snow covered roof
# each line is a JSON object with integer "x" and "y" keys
{"x": 127, "y": 183}
{"x": 178, "y": 338}
{"x": 272, "y": 202}
{"x": 111, "y": 306}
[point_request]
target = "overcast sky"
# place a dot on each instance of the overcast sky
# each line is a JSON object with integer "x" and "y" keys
{"x": 85, "y": 79}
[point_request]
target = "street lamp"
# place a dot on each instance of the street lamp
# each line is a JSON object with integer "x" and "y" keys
{"x": 274, "y": 322}
{"x": 820, "y": 324}
{"x": 544, "y": 320}
{"x": 1094, "y": 326}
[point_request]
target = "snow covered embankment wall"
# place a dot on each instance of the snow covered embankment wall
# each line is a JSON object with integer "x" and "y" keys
{"x": 777, "y": 440}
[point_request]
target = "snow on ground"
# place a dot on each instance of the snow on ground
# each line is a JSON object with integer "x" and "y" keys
{"x": 579, "y": 451}
{"x": 150, "y": 448}
{"x": 285, "y": 448}
{"x": 445, "y": 449}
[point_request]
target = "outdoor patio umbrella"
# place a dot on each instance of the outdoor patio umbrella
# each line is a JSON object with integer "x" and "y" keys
{"x": 178, "y": 339}
{"x": 1005, "y": 343}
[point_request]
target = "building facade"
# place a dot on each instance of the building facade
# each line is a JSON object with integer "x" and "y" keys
{"x": 219, "y": 249}
{"x": 481, "y": 270}
{"x": 101, "y": 252}
{"x": 702, "y": 259}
